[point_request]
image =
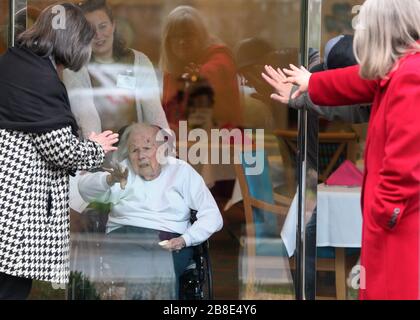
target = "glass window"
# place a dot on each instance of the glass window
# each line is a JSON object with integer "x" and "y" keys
{"x": 195, "y": 69}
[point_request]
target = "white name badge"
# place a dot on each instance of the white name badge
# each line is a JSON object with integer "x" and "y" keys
{"x": 126, "y": 82}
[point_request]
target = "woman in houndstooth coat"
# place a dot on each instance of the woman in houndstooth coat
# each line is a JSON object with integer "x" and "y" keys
{"x": 39, "y": 148}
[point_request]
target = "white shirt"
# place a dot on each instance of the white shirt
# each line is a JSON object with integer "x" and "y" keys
{"x": 160, "y": 204}
{"x": 83, "y": 98}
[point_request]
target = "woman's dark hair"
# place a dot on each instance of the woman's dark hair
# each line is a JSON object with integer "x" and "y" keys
{"x": 69, "y": 44}
{"x": 119, "y": 46}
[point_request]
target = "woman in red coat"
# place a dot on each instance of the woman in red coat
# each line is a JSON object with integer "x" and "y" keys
{"x": 189, "y": 53}
{"x": 388, "y": 48}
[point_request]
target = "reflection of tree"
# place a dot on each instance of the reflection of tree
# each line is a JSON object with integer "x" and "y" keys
{"x": 43, "y": 290}
{"x": 80, "y": 288}
{"x": 157, "y": 289}
{"x": 154, "y": 290}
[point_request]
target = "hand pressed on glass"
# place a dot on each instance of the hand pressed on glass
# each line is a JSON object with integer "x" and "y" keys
{"x": 106, "y": 139}
{"x": 280, "y": 80}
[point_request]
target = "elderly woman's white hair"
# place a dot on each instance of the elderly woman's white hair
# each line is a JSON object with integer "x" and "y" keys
{"x": 387, "y": 29}
{"x": 161, "y": 137}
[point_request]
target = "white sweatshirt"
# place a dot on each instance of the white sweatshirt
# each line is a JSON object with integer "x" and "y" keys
{"x": 161, "y": 204}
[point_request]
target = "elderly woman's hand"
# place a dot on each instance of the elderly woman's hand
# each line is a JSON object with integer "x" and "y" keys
{"x": 174, "y": 244}
{"x": 106, "y": 139}
{"x": 117, "y": 175}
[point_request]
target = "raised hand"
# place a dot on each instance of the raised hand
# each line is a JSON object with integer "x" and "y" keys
{"x": 298, "y": 76}
{"x": 116, "y": 175}
{"x": 106, "y": 139}
{"x": 277, "y": 79}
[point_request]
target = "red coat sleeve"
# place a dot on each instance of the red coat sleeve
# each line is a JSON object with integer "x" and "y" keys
{"x": 399, "y": 178}
{"x": 341, "y": 87}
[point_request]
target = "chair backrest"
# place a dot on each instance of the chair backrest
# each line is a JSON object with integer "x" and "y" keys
{"x": 334, "y": 149}
{"x": 263, "y": 217}
{"x": 257, "y": 187}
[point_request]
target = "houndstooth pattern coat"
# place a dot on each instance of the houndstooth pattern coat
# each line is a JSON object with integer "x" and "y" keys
{"x": 34, "y": 210}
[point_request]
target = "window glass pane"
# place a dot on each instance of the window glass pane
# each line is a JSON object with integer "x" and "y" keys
{"x": 196, "y": 69}
{"x": 345, "y": 126}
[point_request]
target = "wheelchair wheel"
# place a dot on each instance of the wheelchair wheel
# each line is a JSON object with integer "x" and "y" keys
{"x": 196, "y": 282}
{"x": 206, "y": 273}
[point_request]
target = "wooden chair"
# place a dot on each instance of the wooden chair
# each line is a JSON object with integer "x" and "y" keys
{"x": 265, "y": 213}
{"x": 334, "y": 148}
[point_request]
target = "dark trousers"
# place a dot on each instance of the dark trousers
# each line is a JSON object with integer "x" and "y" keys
{"x": 14, "y": 288}
{"x": 181, "y": 260}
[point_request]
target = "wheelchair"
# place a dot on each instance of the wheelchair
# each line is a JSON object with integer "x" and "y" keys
{"x": 196, "y": 283}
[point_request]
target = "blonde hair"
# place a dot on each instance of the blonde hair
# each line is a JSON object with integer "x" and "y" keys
{"x": 181, "y": 16}
{"x": 387, "y": 30}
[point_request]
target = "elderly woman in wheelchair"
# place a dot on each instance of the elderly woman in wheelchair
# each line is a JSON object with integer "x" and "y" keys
{"x": 150, "y": 191}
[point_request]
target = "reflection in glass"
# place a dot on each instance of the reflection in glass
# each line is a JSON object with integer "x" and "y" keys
{"x": 189, "y": 53}
{"x": 104, "y": 95}
{"x": 127, "y": 264}
{"x": 122, "y": 81}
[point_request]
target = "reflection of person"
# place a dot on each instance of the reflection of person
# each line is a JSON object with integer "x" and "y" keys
{"x": 252, "y": 54}
{"x": 38, "y": 150}
{"x": 390, "y": 63}
{"x": 124, "y": 83}
{"x": 189, "y": 52}
{"x": 200, "y": 104}
{"x": 155, "y": 196}
{"x": 119, "y": 86}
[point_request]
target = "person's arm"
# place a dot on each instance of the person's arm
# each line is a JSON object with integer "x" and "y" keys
{"x": 336, "y": 87}
{"x": 149, "y": 106}
{"x": 350, "y": 114}
{"x": 399, "y": 177}
{"x": 94, "y": 187}
{"x": 341, "y": 87}
{"x": 64, "y": 150}
{"x": 198, "y": 197}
